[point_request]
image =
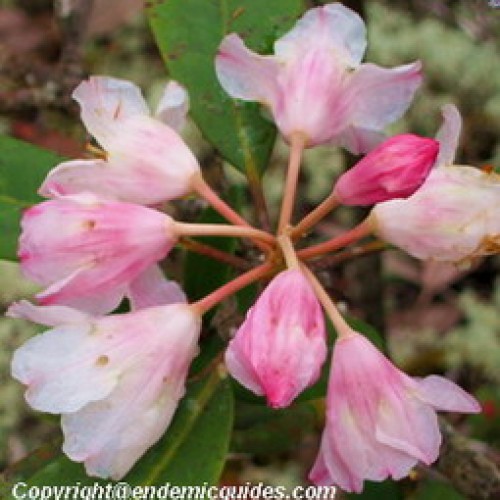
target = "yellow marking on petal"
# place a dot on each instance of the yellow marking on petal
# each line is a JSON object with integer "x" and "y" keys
{"x": 89, "y": 224}
{"x": 102, "y": 360}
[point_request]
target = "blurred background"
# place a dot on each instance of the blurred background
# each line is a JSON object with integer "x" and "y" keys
{"x": 435, "y": 318}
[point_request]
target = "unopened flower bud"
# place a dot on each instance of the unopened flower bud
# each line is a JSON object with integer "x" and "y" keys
{"x": 280, "y": 348}
{"x": 394, "y": 169}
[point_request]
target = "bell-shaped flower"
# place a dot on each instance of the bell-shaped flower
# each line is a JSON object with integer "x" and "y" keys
{"x": 394, "y": 169}
{"x": 453, "y": 217}
{"x": 379, "y": 422}
{"x": 315, "y": 85}
{"x": 116, "y": 380}
{"x": 88, "y": 252}
{"x": 279, "y": 349}
{"x": 145, "y": 160}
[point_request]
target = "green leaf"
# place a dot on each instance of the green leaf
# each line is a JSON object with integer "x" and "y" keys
{"x": 22, "y": 169}
{"x": 388, "y": 490}
{"x": 188, "y": 33}
{"x": 192, "y": 452}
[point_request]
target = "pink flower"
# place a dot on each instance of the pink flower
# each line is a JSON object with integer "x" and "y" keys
{"x": 380, "y": 422}
{"x": 88, "y": 252}
{"x": 280, "y": 348}
{"x": 394, "y": 169}
{"x": 116, "y": 380}
{"x": 315, "y": 86}
{"x": 453, "y": 217}
{"x": 146, "y": 160}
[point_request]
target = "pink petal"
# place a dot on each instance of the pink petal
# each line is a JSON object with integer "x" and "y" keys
{"x": 244, "y": 74}
{"x": 330, "y": 469}
{"x": 448, "y": 135}
{"x": 379, "y": 96}
{"x": 106, "y": 101}
{"x": 333, "y": 27}
{"x": 444, "y": 395}
{"x": 151, "y": 288}
{"x": 48, "y": 316}
{"x": 173, "y": 106}
{"x": 408, "y": 425}
{"x": 75, "y": 176}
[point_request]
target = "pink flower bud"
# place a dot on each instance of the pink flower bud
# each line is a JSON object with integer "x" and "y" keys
{"x": 88, "y": 251}
{"x": 394, "y": 169}
{"x": 116, "y": 380}
{"x": 280, "y": 348}
{"x": 380, "y": 422}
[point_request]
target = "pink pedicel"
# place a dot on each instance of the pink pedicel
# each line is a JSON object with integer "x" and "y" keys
{"x": 115, "y": 380}
{"x": 315, "y": 84}
{"x": 380, "y": 422}
{"x": 394, "y": 169}
{"x": 279, "y": 349}
{"x": 87, "y": 252}
{"x": 146, "y": 161}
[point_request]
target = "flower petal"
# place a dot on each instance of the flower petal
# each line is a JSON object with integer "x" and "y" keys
{"x": 448, "y": 135}
{"x": 75, "y": 176}
{"x": 65, "y": 368}
{"x": 151, "y": 288}
{"x": 444, "y": 395}
{"x": 105, "y": 101}
{"x": 330, "y": 468}
{"x": 407, "y": 424}
{"x": 173, "y": 106}
{"x": 244, "y": 74}
{"x": 333, "y": 27}
{"x": 109, "y": 436}
{"x": 380, "y": 96}
{"x": 358, "y": 140}
{"x": 48, "y": 316}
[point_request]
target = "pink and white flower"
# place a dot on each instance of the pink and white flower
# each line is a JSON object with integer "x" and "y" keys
{"x": 394, "y": 169}
{"x": 146, "y": 160}
{"x": 315, "y": 84}
{"x": 89, "y": 252}
{"x": 453, "y": 217}
{"x": 116, "y": 380}
{"x": 380, "y": 422}
{"x": 279, "y": 349}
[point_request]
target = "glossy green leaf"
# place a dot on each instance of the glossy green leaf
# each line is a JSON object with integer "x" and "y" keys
{"x": 192, "y": 452}
{"x": 188, "y": 33}
{"x": 22, "y": 169}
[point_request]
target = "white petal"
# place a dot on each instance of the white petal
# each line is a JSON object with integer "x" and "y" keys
{"x": 65, "y": 368}
{"x": 379, "y": 96}
{"x": 173, "y": 106}
{"x": 106, "y": 101}
{"x": 448, "y": 135}
{"x": 244, "y": 74}
{"x": 46, "y": 315}
{"x": 109, "y": 436}
{"x": 334, "y": 27}
{"x": 444, "y": 395}
{"x": 151, "y": 288}
{"x": 358, "y": 140}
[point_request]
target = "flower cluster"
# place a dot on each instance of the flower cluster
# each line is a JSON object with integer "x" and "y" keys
{"x": 117, "y": 378}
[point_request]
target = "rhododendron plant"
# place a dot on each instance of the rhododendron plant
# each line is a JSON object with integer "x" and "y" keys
{"x": 116, "y": 360}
